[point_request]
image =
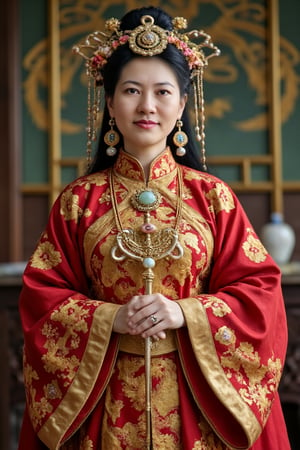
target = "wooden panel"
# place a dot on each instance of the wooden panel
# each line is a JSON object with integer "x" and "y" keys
{"x": 35, "y": 212}
{"x": 10, "y": 201}
{"x": 257, "y": 207}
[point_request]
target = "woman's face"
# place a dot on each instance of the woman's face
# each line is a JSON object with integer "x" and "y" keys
{"x": 146, "y": 105}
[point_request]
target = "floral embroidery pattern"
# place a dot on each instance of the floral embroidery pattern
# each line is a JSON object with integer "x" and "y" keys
{"x": 221, "y": 198}
{"x": 192, "y": 175}
{"x": 129, "y": 167}
{"x": 37, "y": 409}
{"x": 72, "y": 319}
{"x": 209, "y": 440}
{"x": 86, "y": 444}
{"x": 69, "y": 206}
{"x": 45, "y": 256}
{"x": 164, "y": 165}
{"x": 253, "y": 248}
{"x": 218, "y": 306}
{"x": 242, "y": 362}
{"x": 105, "y": 197}
{"x": 131, "y": 434}
{"x": 95, "y": 179}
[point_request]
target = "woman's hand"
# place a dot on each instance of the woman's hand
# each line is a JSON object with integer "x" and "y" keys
{"x": 149, "y": 316}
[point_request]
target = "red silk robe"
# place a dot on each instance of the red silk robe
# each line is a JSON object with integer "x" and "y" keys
{"x": 217, "y": 389}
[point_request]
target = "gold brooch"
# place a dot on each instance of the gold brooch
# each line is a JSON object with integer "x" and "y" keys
{"x": 148, "y": 39}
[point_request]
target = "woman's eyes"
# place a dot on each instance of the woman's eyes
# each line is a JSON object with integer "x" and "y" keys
{"x": 164, "y": 92}
{"x": 133, "y": 90}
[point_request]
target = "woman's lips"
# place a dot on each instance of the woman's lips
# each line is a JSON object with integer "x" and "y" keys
{"x": 146, "y": 124}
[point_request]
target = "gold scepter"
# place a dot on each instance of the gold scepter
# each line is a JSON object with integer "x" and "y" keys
{"x": 146, "y": 245}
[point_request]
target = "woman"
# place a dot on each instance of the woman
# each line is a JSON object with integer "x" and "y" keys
{"x": 149, "y": 249}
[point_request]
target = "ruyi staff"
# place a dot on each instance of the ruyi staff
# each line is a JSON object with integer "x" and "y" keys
{"x": 147, "y": 245}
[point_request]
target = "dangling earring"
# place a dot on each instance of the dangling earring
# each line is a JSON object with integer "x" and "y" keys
{"x": 180, "y": 139}
{"x": 111, "y": 138}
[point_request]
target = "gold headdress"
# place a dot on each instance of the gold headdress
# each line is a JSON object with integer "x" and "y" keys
{"x": 147, "y": 39}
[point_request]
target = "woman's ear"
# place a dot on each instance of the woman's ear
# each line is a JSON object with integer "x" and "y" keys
{"x": 183, "y": 101}
{"x": 109, "y": 103}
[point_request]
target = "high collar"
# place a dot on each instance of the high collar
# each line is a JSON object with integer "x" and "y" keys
{"x": 128, "y": 166}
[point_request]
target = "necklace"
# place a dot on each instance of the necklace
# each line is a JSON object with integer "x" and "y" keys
{"x": 147, "y": 244}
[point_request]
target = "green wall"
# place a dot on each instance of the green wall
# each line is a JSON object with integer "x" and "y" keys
{"x": 235, "y": 86}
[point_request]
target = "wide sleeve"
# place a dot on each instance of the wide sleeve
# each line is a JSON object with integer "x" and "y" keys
{"x": 69, "y": 346}
{"x": 236, "y": 328}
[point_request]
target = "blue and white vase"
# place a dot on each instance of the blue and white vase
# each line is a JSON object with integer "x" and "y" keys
{"x": 279, "y": 239}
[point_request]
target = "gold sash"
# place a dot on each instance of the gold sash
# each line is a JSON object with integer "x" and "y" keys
{"x": 136, "y": 344}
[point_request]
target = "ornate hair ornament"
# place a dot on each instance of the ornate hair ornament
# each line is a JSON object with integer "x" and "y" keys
{"x": 147, "y": 39}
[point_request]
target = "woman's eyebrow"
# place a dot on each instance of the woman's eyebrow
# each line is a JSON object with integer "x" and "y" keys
{"x": 162, "y": 83}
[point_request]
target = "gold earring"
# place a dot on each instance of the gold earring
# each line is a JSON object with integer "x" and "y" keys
{"x": 180, "y": 139}
{"x": 111, "y": 138}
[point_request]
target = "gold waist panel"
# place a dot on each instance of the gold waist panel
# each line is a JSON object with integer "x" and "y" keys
{"x": 136, "y": 344}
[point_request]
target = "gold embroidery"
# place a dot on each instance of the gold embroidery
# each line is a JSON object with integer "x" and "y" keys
{"x": 95, "y": 178}
{"x": 86, "y": 444}
{"x": 194, "y": 175}
{"x": 96, "y": 263}
{"x": 112, "y": 276}
{"x": 69, "y": 205}
{"x": 80, "y": 440}
{"x": 253, "y": 248}
{"x": 225, "y": 335}
{"x": 166, "y": 165}
{"x": 257, "y": 381}
{"x": 209, "y": 440}
{"x": 113, "y": 406}
{"x": 72, "y": 317}
{"x": 165, "y": 405}
{"x": 105, "y": 197}
{"x": 45, "y": 256}
{"x": 36, "y": 409}
{"x": 126, "y": 278}
{"x": 87, "y": 212}
{"x": 218, "y": 306}
{"x": 119, "y": 282}
{"x": 129, "y": 168}
{"x": 192, "y": 241}
{"x": 129, "y": 436}
{"x": 220, "y": 198}
{"x": 52, "y": 390}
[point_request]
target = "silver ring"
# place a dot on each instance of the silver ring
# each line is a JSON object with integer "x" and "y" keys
{"x": 153, "y": 318}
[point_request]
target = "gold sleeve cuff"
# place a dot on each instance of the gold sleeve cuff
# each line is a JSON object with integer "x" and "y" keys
{"x": 205, "y": 352}
{"x": 59, "y": 422}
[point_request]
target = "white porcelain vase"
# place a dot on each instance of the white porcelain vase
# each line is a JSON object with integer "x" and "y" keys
{"x": 279, "y": 239}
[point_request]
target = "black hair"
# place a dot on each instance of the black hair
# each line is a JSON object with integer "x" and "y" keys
{"x": 111, "y": 74}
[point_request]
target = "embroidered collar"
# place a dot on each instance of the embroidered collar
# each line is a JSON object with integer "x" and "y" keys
{"x": 130, "y": 167}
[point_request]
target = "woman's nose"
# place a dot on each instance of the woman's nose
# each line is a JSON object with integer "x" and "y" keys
{"x": 146, "y": 103}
